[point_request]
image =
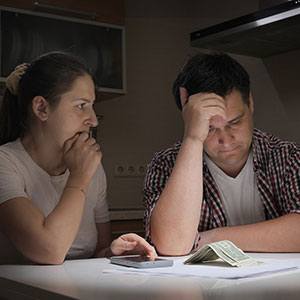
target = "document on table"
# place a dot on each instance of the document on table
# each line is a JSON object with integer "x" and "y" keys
{"x": 216, "y": 269}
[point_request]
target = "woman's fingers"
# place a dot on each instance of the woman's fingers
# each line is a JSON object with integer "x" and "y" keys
{"x": 132, "y": 244}
{"x": 70, "y": 142}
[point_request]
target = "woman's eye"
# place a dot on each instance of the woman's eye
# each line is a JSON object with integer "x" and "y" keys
{"x": 81, "y": 106}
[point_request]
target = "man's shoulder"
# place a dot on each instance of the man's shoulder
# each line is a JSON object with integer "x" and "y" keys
{"x": 167, "y": 154}
{"x": 266, "y": 144}
{"x": 272, "y": 141}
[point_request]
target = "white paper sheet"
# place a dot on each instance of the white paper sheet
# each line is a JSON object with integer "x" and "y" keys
{"x": 217, "y": 269}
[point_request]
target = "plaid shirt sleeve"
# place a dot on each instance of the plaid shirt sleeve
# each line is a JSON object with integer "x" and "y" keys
{"x": 277, "y": 165}
{"x": 158, "y": 172}
{"x": 286, "y": 178}
{"x": 292, "y": 187}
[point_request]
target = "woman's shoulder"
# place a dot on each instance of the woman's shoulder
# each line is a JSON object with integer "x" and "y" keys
{"x": 11, "y": 147}
{"x": 100, "y": 174}
{"x": 11, "y": 152}
{"x": 98, "y": 181}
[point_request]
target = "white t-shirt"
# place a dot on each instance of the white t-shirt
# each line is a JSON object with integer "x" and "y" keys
{"x": 20, "y": 176}
{"x": 239, "y": 195}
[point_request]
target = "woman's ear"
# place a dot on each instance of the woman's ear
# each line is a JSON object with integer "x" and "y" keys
{"x": 40, "y": 107}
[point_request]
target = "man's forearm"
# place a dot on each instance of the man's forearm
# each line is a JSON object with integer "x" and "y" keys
{"x": 278, "y": 235}
{"x": 175, "y": 218}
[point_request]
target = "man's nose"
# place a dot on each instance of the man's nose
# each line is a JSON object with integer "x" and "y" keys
{"x": 225, "y": 137}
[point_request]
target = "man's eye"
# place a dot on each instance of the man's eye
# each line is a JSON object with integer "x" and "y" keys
{"x": 235, "y": 122}
{"x": 211, "y": 129}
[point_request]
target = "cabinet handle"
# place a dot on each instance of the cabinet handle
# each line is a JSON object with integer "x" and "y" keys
{"x": 37, "y": 5}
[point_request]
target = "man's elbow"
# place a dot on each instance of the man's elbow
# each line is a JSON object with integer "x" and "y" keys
{"x": 169, "y": 250}
{"x": 170, "y": 247}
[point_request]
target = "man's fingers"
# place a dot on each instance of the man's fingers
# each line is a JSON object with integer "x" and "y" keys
{"x": 208, "y": 100}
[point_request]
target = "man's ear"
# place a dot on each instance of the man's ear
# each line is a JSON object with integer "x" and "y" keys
{"x": 183, "y": 96}
{"x": 251, "y": 103}
{"x": 40, "y": 107}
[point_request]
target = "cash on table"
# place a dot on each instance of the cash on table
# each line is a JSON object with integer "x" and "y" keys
{"x": 224, "y": 250}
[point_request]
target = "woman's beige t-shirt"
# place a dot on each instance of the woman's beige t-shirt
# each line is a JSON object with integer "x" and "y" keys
{"x": 20, "y": 176}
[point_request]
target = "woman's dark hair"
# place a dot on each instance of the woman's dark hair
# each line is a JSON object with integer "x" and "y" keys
{"x": 212, "y": 73}
{"x": 50, "y": 76}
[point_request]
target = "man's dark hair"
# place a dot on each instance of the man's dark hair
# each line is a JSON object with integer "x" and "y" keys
{"x": 212, "y": 73}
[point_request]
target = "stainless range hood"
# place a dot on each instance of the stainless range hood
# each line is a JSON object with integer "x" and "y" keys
{"x": 264, "y": 33}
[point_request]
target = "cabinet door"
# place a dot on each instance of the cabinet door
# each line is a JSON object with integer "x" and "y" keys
{"x": 106, "y": 11}
{"x": 27, "y": 34}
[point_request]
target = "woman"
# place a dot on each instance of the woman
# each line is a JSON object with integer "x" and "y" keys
{"x": 52, "y": 184}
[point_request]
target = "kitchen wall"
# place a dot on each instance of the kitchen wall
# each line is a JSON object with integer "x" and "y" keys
{"x": 146, "y": 120}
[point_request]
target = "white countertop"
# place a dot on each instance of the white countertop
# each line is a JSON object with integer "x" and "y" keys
{"x": 84, "y": 279}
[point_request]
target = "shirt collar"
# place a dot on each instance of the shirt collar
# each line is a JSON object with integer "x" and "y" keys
{"x": 257, "y": 149}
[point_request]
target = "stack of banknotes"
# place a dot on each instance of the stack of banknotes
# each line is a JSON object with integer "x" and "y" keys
{"x": 224, "y": 250}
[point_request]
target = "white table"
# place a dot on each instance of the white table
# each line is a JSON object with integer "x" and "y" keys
{"x": 84, "y": 279}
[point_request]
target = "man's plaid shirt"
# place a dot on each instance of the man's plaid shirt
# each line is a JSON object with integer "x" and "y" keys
{"x": 276, "y": 164}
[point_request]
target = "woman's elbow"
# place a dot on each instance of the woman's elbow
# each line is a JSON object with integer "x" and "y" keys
{"x": 50, "y": 260}
{"x": 47, "y": 256}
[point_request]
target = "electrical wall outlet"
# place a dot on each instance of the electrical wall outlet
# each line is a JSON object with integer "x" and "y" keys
{"x": 129, "y": 170}
{"x": 119, "y": 170}
{"x": 141, "y": 170}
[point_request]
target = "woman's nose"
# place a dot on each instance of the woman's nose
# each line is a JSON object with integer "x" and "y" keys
{"x": 92, "y": 120}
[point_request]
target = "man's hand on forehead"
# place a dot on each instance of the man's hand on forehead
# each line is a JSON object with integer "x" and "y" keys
{"x": 217, "y": 121}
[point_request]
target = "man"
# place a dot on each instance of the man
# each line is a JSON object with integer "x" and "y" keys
{"x": 225, "y": 180}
